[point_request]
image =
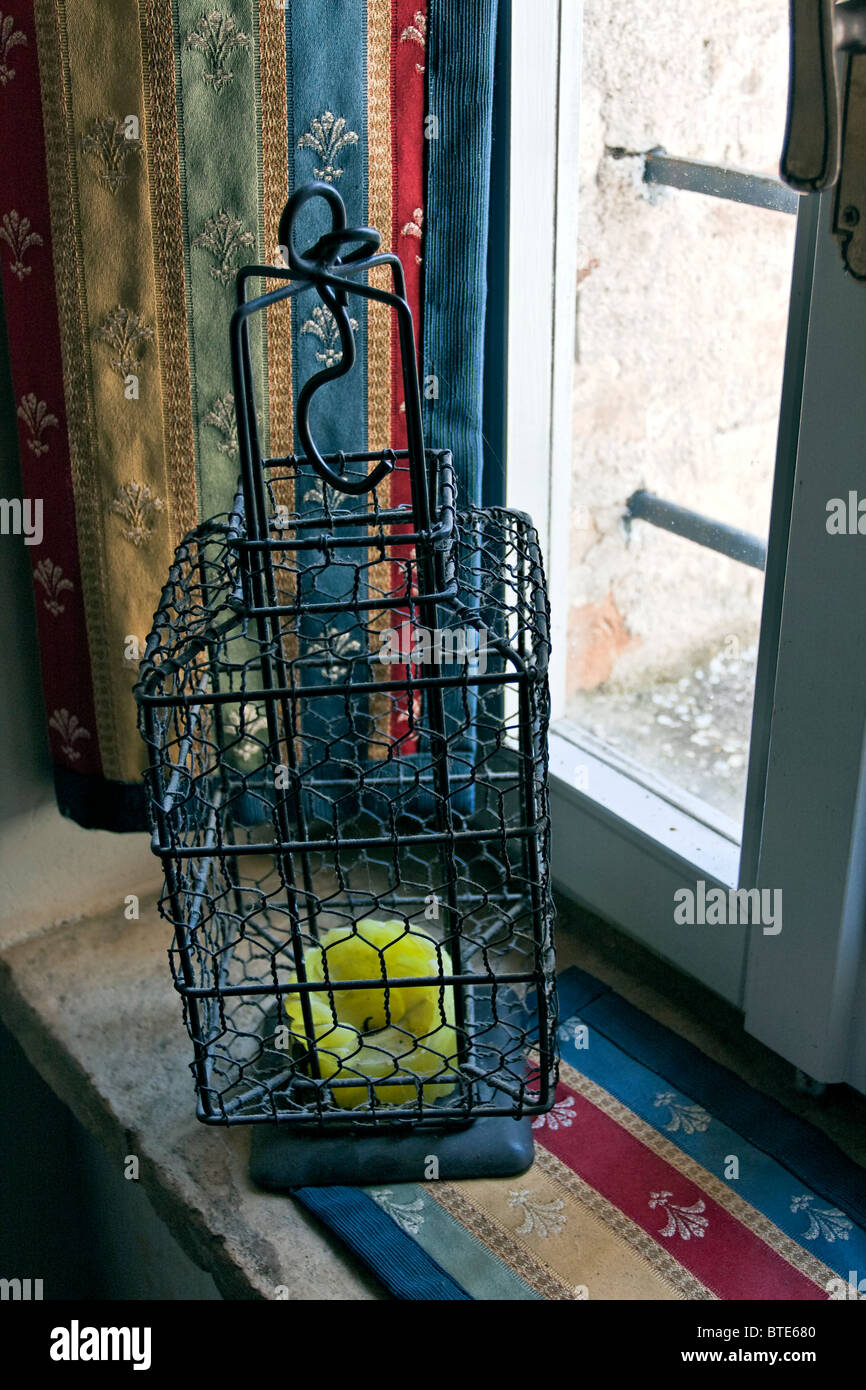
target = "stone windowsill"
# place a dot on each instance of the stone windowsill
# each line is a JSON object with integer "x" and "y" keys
{"x": 92, "y": 1004}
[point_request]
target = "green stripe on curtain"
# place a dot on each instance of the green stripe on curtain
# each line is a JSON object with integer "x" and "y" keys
{"x": 218, "y": 122}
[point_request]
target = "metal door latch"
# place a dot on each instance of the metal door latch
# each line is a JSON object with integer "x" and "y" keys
{"x": 825, "y": 139}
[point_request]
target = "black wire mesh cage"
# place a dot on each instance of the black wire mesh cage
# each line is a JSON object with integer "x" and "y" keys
{"x": 344, "y": 699}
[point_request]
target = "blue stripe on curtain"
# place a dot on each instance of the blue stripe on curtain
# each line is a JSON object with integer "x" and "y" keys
{"x": 461, "y": 51}
{"x": 766, "y": 1123}
{"x": 760, "y": 1119}
{"x": 406, "y": 1270}
{"x": 496, "y": 318}
{"x": 326, "y": 81}
{"x": 460, "y": 59}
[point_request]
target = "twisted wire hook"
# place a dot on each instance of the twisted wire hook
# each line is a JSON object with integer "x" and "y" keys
{"x": 341, "y": 246}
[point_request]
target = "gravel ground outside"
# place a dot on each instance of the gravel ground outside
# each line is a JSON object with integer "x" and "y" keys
{"x": 692, "y": 729}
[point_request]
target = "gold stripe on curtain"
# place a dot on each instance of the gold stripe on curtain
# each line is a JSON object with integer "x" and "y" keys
{"x": 130, "y": 506}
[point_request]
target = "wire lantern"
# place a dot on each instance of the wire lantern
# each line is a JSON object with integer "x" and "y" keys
{"x": 345, "y": 704}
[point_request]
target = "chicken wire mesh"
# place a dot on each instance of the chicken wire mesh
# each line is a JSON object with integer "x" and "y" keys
{"x": 345, "y": 706}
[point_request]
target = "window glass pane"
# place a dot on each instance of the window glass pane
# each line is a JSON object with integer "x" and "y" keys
{"x": 679, "y": 346}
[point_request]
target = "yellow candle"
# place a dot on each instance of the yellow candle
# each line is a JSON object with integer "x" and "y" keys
{"x": 362, "y": 1037}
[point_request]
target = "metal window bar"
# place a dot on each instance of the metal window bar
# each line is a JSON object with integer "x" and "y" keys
{"x": 692, "y": 526}
{"x": 739, "y": 186}
{"x": 717, "y": 181}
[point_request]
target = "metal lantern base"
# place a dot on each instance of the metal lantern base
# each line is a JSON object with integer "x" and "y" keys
{"x": 495, "y": 1147}
{"x": 491, "y": 1146}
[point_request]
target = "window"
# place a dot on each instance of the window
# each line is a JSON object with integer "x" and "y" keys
{"x": 681, "y": 510}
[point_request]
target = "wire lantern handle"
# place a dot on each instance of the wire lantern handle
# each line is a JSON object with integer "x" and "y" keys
{"x": 353, "y": 250}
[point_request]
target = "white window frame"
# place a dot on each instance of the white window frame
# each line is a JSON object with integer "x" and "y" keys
{"x": 621, "y": 845}
{"x": 597, "y": 808}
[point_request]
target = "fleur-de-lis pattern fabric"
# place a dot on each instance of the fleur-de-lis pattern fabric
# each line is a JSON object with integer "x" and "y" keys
{"x": 416, "y": 32}
{"x": 10, "y": 37}
{"x": 682, "y": 1114}
{"x": 69, "y": 730}
{"x": 542, "y": 1218}
{"x": 408, "y": 1214}
{"x": 20, "y": 238}
{"x": 216, "y": 36}
{"x": 324, "y": 326}
{"x": 147, "y": 150}
{"x": 125, "y": 333}
{"x": 684, "y": 1221}
{"x": 137, "y": 506}
{"x": 111, "y": 143}
{"x": 824, "y": 1223}
{"x": 223, "y": 419}
{"x": 37, "y": 418}
{"x": 224, "y": 237}
{"x": 622, "y": 1203}
{"x": 327, "y": 137}
{"x": 52, "y": 580}
{"x": 560, "y": 1117}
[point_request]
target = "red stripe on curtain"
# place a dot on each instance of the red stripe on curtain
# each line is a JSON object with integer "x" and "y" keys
{"x": 408, "y": 103}
{"x": 37, "y": 375}
{"x": 709, "y": 1241}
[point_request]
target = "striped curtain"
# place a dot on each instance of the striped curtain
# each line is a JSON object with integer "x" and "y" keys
{"x": 147, "y": 150}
